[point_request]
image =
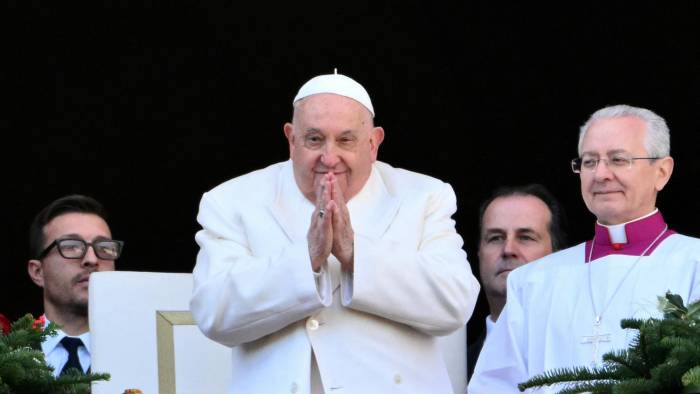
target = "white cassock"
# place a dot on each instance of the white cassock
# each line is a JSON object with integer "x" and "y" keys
{"x": 548, "y": 320}
{"x": 371, "y": 331}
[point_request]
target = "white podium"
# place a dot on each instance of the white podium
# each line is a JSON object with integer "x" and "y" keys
{"x": 142, "y": 333}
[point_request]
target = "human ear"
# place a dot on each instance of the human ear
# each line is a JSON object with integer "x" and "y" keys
{"x": 36, "y": 272}
{"x": 663, "y": 173}
{"x": 375, "y": 140}
{"x": 289, "y": 133}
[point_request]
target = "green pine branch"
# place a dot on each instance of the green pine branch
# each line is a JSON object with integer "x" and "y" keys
{"x": 637, "y": 386}
{"x": 567, "y": 375}
{"x": 691, "y": 381}
{"x": 663, "y": 357}
{"x": 586, "y": 387}
{"x": 23, "y": 367}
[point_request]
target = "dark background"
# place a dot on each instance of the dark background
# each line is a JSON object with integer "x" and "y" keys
{"x": 145, "y": 106}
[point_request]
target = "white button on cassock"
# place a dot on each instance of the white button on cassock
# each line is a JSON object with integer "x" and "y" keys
{"x": 312, "y": 324}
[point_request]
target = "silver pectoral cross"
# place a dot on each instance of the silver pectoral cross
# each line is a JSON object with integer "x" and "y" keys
{"x": 595, "y": 339}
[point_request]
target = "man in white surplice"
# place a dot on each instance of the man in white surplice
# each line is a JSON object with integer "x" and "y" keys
{"x": 332, "y": 272}
{"x": 565, "y": 309}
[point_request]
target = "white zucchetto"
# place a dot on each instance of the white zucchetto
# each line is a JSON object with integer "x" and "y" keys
{"x": 336, "y": 84}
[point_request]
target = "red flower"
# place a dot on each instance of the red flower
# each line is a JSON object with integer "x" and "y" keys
{"x": 6, "y": 325}
{"x": 39, "y": 323}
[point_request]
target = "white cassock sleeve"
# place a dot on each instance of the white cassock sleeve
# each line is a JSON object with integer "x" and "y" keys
{"x": 502, "y": 364}
{"x": 270, "y": 292}
{"x": 429, "y": 285}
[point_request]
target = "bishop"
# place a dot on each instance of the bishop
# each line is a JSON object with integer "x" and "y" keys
{"x": 564, "y": 310}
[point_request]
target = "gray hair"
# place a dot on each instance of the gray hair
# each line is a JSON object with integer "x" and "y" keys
{"x": 657, "y": 140}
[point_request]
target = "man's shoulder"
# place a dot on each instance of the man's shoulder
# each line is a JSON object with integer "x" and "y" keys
{"x": 686, "y": 239}
{"x": 680, "y": 243}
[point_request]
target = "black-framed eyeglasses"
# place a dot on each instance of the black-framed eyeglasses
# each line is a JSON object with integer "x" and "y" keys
{"x": 75, "y": 248}
{"x": 613, "y": 162}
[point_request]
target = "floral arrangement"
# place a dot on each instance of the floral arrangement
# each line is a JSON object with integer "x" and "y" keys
{"x": 23, "y": 368}
{"x": 663, "y": 358}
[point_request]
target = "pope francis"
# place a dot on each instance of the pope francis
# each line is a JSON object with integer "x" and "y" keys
{"x": 332, "y": 272}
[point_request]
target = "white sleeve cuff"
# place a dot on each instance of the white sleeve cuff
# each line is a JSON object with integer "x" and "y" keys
{"x": 323, "y": 285}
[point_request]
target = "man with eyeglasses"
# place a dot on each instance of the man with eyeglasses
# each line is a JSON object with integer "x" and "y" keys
{"x": 564, "y": 310}
{"x": 68, "y": 240}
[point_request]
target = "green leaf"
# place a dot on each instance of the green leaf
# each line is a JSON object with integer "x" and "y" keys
{"x": 691, "y": 377}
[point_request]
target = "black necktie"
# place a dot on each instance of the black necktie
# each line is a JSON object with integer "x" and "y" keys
{"x": 71, "y": 345}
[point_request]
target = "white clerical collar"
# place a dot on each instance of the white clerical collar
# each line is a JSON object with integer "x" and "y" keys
{"x": 490, "y": 324}
{"x": 617, "y": 232}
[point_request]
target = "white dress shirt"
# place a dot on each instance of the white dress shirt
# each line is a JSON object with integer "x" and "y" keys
{"x": 57, "y": 355}
{"x": 490, "y": 324}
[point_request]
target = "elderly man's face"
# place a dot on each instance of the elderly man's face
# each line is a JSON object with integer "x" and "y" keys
{"x": 618, "y": 195}
{"x": 514, "y": 231}
{"x": 332, "y": 133}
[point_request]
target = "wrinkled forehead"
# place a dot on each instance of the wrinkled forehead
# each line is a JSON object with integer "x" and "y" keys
{"x": 516, "y": 213}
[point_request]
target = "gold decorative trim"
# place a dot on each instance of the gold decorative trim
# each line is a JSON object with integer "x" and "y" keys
{"x": 165, "y": 323}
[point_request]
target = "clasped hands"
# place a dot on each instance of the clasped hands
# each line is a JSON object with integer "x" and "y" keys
{"x": 330, "y": 230}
